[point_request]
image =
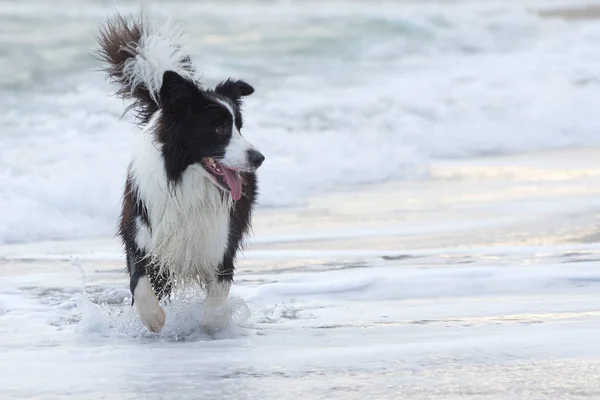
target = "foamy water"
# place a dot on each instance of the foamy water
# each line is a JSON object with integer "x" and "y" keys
{"x": 346, "y": 94}
{"x": 492, "y": 322}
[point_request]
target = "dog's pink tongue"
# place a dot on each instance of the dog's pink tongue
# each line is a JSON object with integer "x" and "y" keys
{"x": 235, "y": 183}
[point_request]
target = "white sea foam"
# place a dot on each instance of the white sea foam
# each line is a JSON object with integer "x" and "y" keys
{"x": 387, "y": 330}
{"x": 344, "y": 96}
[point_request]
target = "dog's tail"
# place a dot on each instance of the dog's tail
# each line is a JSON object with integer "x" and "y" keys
{"x": 138, "y": 53}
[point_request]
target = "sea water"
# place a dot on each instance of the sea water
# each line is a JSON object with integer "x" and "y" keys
{"x": 347, "y": 93}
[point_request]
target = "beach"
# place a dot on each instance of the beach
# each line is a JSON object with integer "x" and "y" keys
{"x": 427, "y": 225}
{"x": 479, "y": 283}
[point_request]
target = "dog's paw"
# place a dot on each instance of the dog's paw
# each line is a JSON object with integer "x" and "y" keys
{"x": 153, "y": 318}
{"x": 216, "y": 319}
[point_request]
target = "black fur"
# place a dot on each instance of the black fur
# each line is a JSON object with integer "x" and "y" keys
{"x": 234, "y": 90}
{"x": 139, "y": 263}
{"x": 239, "y": 224}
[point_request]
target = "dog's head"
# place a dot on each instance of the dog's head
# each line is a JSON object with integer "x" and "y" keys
{"x": 204, "y": 127}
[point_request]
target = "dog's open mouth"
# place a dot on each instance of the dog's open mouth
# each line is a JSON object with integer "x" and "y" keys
{"x": 226, "y": 177}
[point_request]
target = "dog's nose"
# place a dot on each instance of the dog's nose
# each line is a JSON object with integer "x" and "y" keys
{"x": 255, "y": 158}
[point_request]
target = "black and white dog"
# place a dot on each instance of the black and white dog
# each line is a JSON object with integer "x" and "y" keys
{"x": 191, "y": 183}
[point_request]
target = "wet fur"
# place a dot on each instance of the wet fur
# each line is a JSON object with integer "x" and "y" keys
{"x": 177, "y": 226}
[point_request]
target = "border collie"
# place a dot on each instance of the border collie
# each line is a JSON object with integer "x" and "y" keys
{"x": 191, "y": 183}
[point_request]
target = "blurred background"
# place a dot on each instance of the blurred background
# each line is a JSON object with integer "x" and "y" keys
{"x": 348, "y": 93}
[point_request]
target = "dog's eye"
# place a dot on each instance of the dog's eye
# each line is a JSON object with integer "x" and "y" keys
{"x": 222, "y": 132}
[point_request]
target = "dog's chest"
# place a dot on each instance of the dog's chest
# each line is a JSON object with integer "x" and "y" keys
{"x": 190, "y": 226}
{"x": 191, "y": 241}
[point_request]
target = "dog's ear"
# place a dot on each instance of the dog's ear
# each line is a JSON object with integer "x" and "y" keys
{"x": 177, "y": 92}
{"x": 234, "y": 89}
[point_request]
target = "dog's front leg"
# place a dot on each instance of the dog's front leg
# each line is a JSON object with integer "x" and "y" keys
{"x": 146, "y": 302}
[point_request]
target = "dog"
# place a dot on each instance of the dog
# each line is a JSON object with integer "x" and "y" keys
{"x": 191, "y": 184}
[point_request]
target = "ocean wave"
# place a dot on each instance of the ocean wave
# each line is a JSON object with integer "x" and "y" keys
{"x": 346, "y": 95}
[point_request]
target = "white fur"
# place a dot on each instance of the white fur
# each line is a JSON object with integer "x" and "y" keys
{"x": 190, "y": 221}
{"x": 236, "y": 153}
{"x": 156, "y": 53}
{"x": 228, "y": 106}
{"x": 143, "y": 240}
{"x": 152, "y": 316}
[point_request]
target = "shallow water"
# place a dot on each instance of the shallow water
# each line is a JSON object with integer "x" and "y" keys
{"x": 480, "y": 283}
{"x": 388, "y": 328}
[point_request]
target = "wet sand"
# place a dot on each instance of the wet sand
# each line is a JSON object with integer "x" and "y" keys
{"x": 572, "y": 13}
